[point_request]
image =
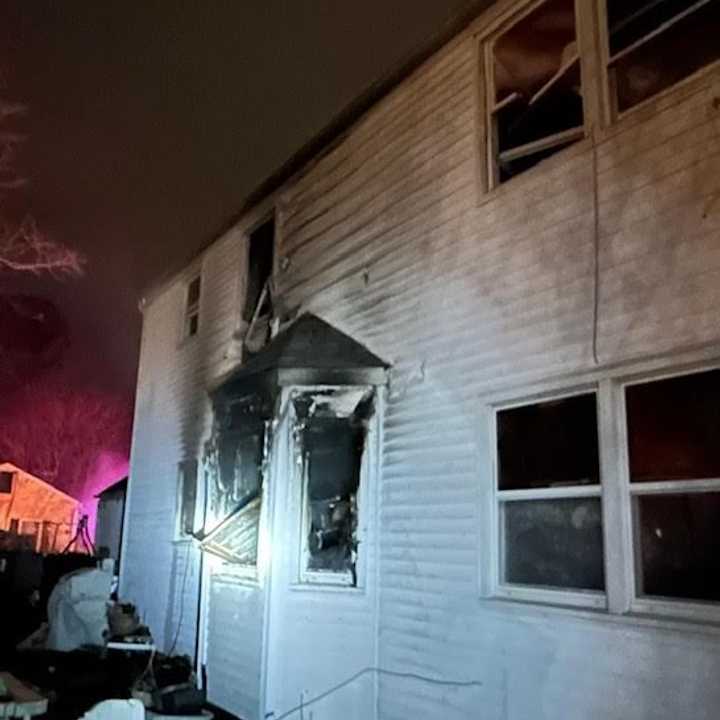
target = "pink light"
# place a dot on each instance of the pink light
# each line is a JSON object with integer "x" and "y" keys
{"x": 108, "y": 469}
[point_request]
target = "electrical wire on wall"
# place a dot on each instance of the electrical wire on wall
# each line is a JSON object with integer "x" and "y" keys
{"x": 596, "y": 250}
{"x": 375, "y": 671}
{"x": 182, "y": 599}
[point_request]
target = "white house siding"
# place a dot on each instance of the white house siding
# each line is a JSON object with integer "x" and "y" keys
{"x": 234, "y": 647}
{"x": 171, "y": 423}
{"x": 318, "y": 636}
{"x": 388, "y": 237}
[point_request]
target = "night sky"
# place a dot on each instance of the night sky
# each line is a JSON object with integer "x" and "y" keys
{"x": 150, "y": 122}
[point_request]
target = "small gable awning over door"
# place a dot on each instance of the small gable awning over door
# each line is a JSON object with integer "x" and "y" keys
{"x": 308, "y": 352}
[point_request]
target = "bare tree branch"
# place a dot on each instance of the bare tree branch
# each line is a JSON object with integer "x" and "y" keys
{"x": 23, "y": 247}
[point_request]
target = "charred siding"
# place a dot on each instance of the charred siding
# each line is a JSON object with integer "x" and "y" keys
{"x": 607, "y": 251}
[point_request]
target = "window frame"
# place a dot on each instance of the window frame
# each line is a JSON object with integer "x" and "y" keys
{"x": 620, "y": 544}
{"x": 646, "y": 604}
{"x": 532, "y": 593}
{"x": 489, "y": 105}
{"x": 12, "y": 476}
{"x": 181, "y": 474}
{"x": 320, "y": 579}
{"x": 191, "y": 310}
{"x": 611, "y": 113}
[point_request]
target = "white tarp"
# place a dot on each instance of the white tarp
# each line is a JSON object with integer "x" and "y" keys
{"x": 77, "y": 609}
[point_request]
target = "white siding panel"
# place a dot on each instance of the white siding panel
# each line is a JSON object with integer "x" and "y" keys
{"x": 234, "y": 646}
{"x": 386, "y": 237}
{"x": 172, "y": 421}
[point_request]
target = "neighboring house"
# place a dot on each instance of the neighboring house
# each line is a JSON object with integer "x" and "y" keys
{"x": 109, "y": 521}
{"x": 34, "y": 512}
{"x": 526, "y": 228}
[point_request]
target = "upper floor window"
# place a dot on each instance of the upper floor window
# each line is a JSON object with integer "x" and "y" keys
{"x": 535, "y": 103}
{"x": 261, "y": 243}
{"x": 192, "y": 307}
{"x": 653, "y": 44}
{"x": 258, "y": 305}
{"x": 6, "y": 482}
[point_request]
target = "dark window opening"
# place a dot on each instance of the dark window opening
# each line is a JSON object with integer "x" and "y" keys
{"x": 192, "y": 307}
{"x": 333, "y": 447}
{"x": 674, "y": 428}
{"x": 656, "y": 43}
{"x": 241, "y": 461}
{"x": 188, "y": 496}
{"x": 554, "y": 543}
{"x": 542, "y": 448}
{"x": 193, "y": 293}
{"x": 537, "y": 108}
{"x": 549, "y": 444}
{"x": 6, "y": 482}
{"x": 15, "y": 526}
{"x": 679, "y": 545}
{"x": 259, "y": 270}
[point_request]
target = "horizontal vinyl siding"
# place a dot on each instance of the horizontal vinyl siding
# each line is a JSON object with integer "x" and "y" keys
{"x": 172, "y": 422}
{"x": 389, "y": 241}
{"x": 234, "y": 646}
{"x": 387, "y": 237}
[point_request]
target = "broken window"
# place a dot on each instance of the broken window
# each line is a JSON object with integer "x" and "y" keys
{"x": 235, "y": 459}
{"x": 258, "y": 308}
{"x": 654, "y": 44}
{"x": 241, "y": 447}
{"x": 535, "y": 103}
{"x": 6, "y": 482}
{"x": 332, "y": 430}
{"x": 674, "y": 467}
{"x": 548, "y": 488}
{"x": 192, "y": 308}
{"x": 187, "y": 494}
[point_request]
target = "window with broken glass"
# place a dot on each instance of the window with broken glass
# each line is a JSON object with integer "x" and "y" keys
{"x": 654, "y": 44}
{"x": 534, "y": 89}
{"x": 187, "y": 495}
{"x": 331, "y": 435}
{"x": 657, "y": 504}
{"x": 258, "y": 306}
{"x": 234, "y": 466}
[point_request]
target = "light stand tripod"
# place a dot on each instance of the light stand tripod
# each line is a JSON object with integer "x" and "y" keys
{"x": 81, "y": 536}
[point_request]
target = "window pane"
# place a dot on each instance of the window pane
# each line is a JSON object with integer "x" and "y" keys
{"x": 193, "y": 293}
{"x": 241, "y": 460}
{"x": 260, "y": 264}
{"x": 191, "y": 325}
{"x": 674, "y": 54}
{"x": 333, "y": 449}
{"x": 188, "y": 475}
{"x": 554, "y": 543}
{"x": 537, "y": 78}
{"x": 6, "y": 480}
{"x": 549, "y": 444}
{"x": 680, "y": 545}
{"x": 673, "y": 428}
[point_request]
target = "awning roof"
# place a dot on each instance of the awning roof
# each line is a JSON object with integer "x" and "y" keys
{"x": 310, "y": 351}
